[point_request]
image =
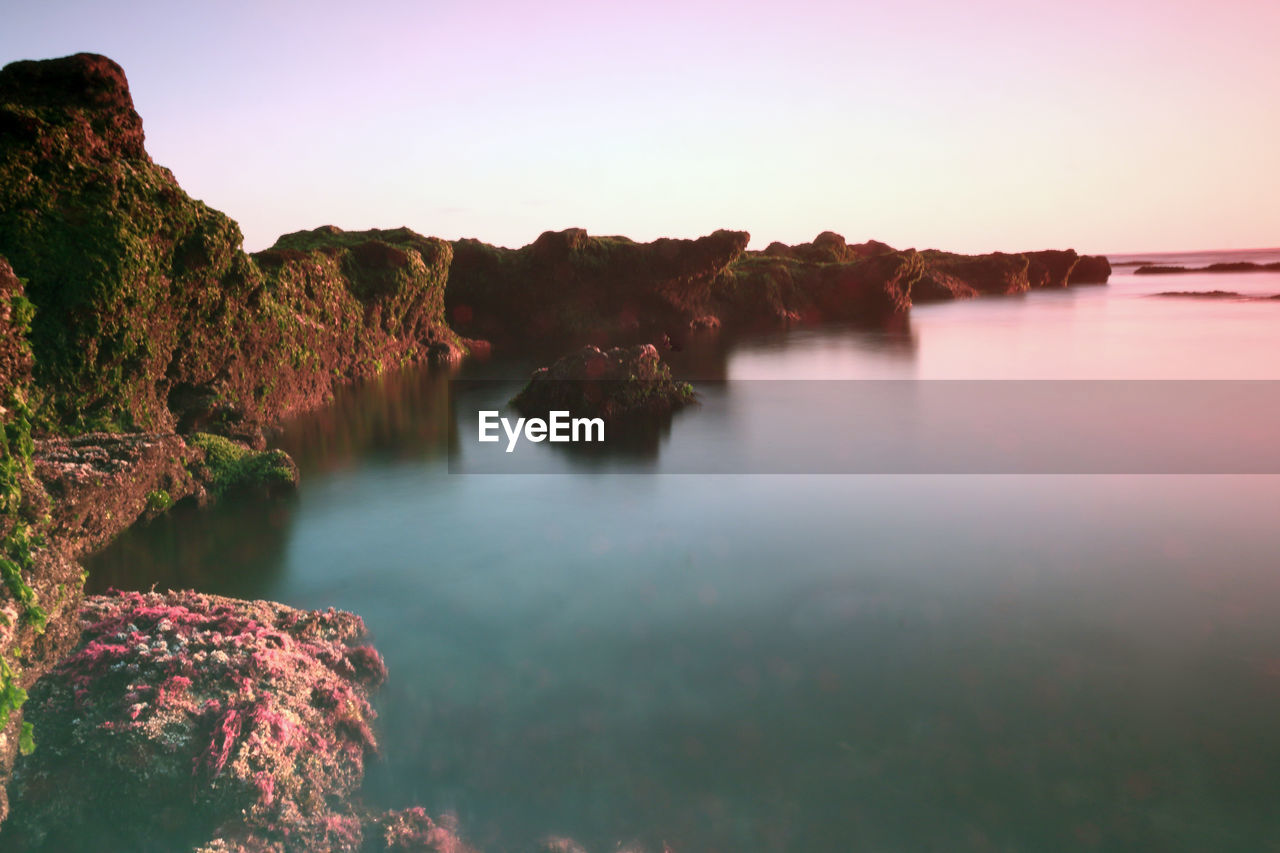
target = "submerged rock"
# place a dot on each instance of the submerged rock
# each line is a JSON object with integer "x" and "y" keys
{"x": 621, "y": 384}
{"x": 182, "y": 717}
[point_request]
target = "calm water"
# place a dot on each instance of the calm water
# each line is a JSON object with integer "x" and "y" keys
{"x": 812, "y": 663}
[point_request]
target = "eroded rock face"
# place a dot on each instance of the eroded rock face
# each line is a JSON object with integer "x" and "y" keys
{"x": 618, "y": 385}
{"x": 183, "y": 717}
{"x": 569, "y": 287}
{"x": 149, "y": 315}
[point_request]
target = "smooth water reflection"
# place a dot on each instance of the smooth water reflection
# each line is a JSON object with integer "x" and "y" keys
{"x": 802, "y": 662}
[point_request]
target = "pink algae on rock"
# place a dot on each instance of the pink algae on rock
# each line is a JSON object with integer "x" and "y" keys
{"x": 235, "y": 712}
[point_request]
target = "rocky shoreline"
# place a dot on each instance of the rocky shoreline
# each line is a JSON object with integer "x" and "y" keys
{"x": 144, "y": 355}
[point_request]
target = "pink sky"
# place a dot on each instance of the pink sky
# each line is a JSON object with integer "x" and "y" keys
{"x": 1106, "y": 126}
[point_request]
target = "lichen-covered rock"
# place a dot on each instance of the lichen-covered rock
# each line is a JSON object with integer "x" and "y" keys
{"x": 148, "y": 313}
{"x": 183, "y": 717}
{"x": 569, "y": 287}
{"x": 621, "y": 384}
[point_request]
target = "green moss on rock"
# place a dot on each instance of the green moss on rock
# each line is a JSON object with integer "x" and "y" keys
{"x": 149, "y": 314}
{"x": 228, "y": 466}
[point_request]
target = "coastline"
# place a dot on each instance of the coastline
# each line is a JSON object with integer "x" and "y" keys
{"x": 189, "y": 336}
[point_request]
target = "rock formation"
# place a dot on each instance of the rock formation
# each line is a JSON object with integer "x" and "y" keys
{"x": 622, "y": 384}
{"x": 568, "y": 287}
{"x": 148, "y": 313}
{"x": 1090, "y": 269}
{"x": 1235, "y": 266}
{"x": 131, "y": 314}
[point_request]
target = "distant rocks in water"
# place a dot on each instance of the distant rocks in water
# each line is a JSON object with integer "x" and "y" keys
{"x": 1201, "y": 294}
{"x": 623, "y": 384}
{"x": 1214, "y": 294}
{"x": 1241, "y": 266}
{"x": 191, "y": 717}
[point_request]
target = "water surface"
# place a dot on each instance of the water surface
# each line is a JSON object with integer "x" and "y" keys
{"x": 819, "y": 662}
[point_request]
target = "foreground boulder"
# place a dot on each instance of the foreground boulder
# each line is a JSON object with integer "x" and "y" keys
{"x": 183, "y": 717}
{"x": 624, "y": 384}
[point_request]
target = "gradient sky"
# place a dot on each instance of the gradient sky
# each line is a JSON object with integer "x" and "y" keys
{"x": 987, "y": 124}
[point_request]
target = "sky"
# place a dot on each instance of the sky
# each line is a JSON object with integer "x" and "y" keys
{"x": 971, "y": 126}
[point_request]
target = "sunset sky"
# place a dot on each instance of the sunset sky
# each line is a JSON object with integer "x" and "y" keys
{"x": 989, "y": 124}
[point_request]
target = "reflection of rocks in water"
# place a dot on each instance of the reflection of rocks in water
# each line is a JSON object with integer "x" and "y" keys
{"x": 235, "y": 547}
{"x": 401, "y": 415}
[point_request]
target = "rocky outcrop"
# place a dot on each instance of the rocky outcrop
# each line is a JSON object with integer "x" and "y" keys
{"x": 148, "y": 313}
{"x": 817, "y": 282}
{"x": 226, "y": 718}
{"x": 1090, "y": 269}
{"x": 953, "y": 276}
{"x": 1050, "y": 268}
{"x": 569, "y": 287}
{"x": 830, "y": 279}
{"x": 625, "y": 384}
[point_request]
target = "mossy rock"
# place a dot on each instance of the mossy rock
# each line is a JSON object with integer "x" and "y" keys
{"x": 231, "y": 467}
{"x": 148, "y": 313}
